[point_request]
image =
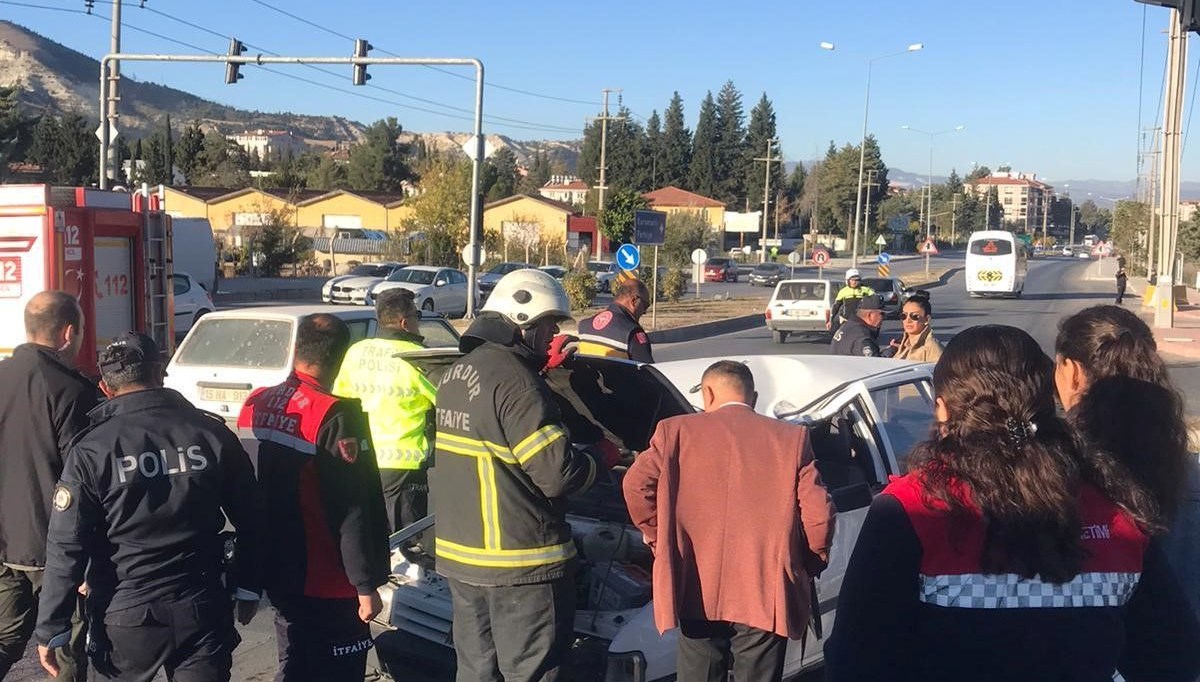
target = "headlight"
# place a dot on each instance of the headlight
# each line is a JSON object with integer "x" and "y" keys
{"x": 628, "y": 667}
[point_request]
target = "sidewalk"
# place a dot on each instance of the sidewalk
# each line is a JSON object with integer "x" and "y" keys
{"x": 1182, "y": 342}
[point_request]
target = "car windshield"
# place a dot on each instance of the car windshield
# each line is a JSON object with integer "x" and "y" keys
{"x": 878, "y": 285}
{"x": 413, "y": 276}
{"x": 766, "y": 267}
{"x": 718, "y": 262}
{"x": 599, "y": 267}
{"x": 991, "y": 247}
{"x": 505, "y": 268}
{"x": 236, "y": 342}
{"x": 368, "y": 271}
{"x": 801, "y": 291}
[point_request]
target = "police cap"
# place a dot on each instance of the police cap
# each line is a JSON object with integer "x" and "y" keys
{"x": 129, "y": 349}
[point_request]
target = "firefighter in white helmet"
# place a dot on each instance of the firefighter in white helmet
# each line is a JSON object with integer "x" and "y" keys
{"x": 845, "y": 305}
{"x": 503, "y": 461}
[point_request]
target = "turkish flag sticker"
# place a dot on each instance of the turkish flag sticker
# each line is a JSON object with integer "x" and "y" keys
{"x": 348, "y": 449}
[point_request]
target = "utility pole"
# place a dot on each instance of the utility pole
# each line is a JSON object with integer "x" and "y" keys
{"x": 867, "y": 214}
{"x": 604, "y": 162}
{"x": 1151, "y": 202}
{"x": 1164, "y": 309}
{"x": 767, "y": 161}
{"x": 954, "y": 218}
{"x": 1045, "y": 220}
{"x": 108, "y": 124}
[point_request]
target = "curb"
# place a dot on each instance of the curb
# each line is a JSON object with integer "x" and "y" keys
{"x": 706, "y": 329}
{"x": 299, "y": 295}
{"x": 940, "y": 281}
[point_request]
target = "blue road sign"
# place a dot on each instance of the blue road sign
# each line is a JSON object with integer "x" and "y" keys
{"x": 883, "y": 258}
{"x": 649, "y": 227}
{"x": 628, "y": 257}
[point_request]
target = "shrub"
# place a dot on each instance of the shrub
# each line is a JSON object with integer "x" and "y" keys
{"x": 673, "y": 284}
{"x": 580, "y": 286}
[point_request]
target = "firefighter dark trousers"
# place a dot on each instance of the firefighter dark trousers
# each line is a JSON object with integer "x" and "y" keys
{"x": 518, "y": 633}
{"x": 405, "y": 496}
{"x": 192, "y": 638}
{"x": 19, "y": 593}
{"x": 707, "y": 649}
{"x": 320, "y": 640}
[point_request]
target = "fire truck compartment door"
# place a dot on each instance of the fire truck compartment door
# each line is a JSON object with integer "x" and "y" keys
{"x": 115, "y": 289}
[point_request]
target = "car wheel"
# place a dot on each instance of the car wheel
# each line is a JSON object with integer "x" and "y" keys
{"x": 780, "y": 335}
{"x": 428, "y": 305}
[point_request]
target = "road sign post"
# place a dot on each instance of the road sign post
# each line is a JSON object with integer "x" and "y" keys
{"x": 794, "y": 259}
{"x": 698, "y": 258}
{"x": 820, "y": 258}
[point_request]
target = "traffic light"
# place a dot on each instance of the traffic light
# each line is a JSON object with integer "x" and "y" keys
{"x": 232, "y": 69}
{"x": 361, "y": 48}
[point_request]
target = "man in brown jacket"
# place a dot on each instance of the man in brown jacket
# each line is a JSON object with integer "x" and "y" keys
{"x": 734, "y": 510}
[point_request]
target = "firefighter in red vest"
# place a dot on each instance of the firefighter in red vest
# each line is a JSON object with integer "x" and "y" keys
{"x": 323, "y": 503}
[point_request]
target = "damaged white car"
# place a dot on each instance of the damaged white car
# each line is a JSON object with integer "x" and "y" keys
{"x": 864, "y": 414}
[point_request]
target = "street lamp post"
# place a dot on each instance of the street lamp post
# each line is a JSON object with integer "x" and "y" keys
{"x": 862, "y": 147}
{"x": 929, "y": 183}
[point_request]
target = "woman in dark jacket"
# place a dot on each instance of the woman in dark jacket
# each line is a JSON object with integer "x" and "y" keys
{"x": 995, "y": 559}
{"x": 1119, "y": 396}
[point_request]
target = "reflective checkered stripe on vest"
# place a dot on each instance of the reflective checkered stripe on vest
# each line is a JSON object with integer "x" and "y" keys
{"x": 951, "y": 575}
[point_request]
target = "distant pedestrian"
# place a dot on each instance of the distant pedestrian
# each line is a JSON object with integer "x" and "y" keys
{"x": 1118, "y": 394}
{"x": 995, "y": 557}
{"x": 1122, "y": 280}
{"x": 323, "y": 506}
{"x": 140, "y": 507}
{"x": 44, "y": 404}
{"x": 736, "y": 584}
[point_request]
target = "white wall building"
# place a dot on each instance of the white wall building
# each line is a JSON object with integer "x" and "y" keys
{"x": 269, "y": 143}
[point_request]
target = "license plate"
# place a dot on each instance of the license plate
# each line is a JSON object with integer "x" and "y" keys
{"x": 224, "y": 395}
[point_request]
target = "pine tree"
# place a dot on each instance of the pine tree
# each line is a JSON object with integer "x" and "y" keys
{"x": 761, "y": 130}
{"x": 378, "y": 163}
{"x": 654, "y": 147}
{"x": 702, "y": 171}
{"x": 504, "y": 163}
{"x": 169, "y": 152}
{"x": 676, "y": 146}
{"x": 538, "y": 174}
{"x": 327, "y": 175}
{"x": 188, "y": 150}
{"x": 627, "y": 168}
{"x": 588, "y": 166}
{"x": 732, "y": 160}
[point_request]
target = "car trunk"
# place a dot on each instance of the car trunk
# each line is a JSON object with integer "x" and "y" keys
{"x": 625, "y": 401}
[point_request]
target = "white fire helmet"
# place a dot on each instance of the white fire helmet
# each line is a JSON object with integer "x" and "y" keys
{"x": 526, "y": 296}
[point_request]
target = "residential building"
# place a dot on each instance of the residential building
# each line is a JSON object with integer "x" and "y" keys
{"x": 672, "y": 199}
{"x": 269, "y": 144}
{"x": 1023, "y": 197}
{"x": 565, "y": 188}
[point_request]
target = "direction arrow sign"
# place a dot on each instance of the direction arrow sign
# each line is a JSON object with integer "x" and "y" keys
{"x": 628, "y": 257}
{"x": 880, "y": 241}
{"x": 883, "y": 258}
{"x": 929, "y": 248}
{"x": 820, "y": 257}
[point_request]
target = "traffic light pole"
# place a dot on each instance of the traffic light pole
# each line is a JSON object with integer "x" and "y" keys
{"x": 107, "y": 116}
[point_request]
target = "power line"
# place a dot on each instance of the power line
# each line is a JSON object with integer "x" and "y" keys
{"x": 339, "y": 34}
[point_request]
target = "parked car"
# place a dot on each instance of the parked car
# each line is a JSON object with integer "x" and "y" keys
{"x": 864, "y": 415}
{"x": 891, "y": 291}
{"x": 229, "y": 353}
{"x": 767, "y": 274}
{"x": 192, "y": 301}
{"x": 438, "y": 290}
{"x": 720, "y": 269}
{"x": 353, "y": 286}
{"x": 556, "y": 271}
{"x": 487, "y": 281}
{"x": 1066, "y": 251}
{"x": 800, "y": 306}
{"x": 604, "y": 272}
{"x": 1084, "y": 254}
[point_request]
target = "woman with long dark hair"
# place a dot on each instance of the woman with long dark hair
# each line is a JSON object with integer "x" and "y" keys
{"x": 1130, "y": 420}
{"x": 994, "y": 558}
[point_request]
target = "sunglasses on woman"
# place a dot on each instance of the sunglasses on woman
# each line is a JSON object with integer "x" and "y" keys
{"x": 915, "y": 317}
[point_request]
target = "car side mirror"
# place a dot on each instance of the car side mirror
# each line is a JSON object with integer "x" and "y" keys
{"x": 440, "y": 283}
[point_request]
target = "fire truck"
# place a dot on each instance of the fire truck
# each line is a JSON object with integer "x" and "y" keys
{"x": 111, "y": 250}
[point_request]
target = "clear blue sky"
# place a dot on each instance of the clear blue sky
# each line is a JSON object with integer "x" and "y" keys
{"x": 1049, "y": 87}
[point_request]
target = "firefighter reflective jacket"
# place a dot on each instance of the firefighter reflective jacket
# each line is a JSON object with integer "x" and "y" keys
{"x": 613, "y": 333}
{"x": 503, "y": 464}
{"x": 394, "y": 394}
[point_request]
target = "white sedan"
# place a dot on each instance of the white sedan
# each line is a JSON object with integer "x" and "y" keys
{"x": 353, "y": 286}
{"x": 864, "y": 414}
{"x": 437, "y": 290}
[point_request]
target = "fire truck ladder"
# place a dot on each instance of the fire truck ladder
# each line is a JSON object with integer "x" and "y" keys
{"x": 158, "y": 281}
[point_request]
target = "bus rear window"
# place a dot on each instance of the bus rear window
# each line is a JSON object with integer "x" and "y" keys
{"x": 991, "y": 247}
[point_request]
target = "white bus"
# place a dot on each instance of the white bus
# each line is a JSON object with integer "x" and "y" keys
{"x": 996, "y": 264}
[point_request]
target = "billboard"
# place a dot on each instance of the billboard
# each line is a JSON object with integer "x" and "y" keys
{"x": 649, "y": 228}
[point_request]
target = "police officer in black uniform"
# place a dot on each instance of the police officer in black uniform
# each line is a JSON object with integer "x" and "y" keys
{"x": 139, "y": 507}
{"x": 860, "y": 334}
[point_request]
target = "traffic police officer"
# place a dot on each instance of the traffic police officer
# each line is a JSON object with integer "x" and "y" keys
{"x": 323, "y": 503}
{"x": 139, "y": 507}
{"x": 398, "y": 400}
{"x": 848, "y": 298}
{"x": 504, "y": 463}
{"x": 615, "y": 331}
{"x": 860, "y": 336}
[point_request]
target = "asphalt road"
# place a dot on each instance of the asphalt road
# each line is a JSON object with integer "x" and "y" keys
{"x": 1055, "y": 287}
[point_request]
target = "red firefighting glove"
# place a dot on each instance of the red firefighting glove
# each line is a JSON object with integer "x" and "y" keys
{"x": 562, "y": 347}
{"x": 610, "y": 454}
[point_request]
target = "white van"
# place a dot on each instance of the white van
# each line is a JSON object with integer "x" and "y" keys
{"x": 799, "y": 306}
{"x": 996, "y": 264}
{"x": 194, "y": 251}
